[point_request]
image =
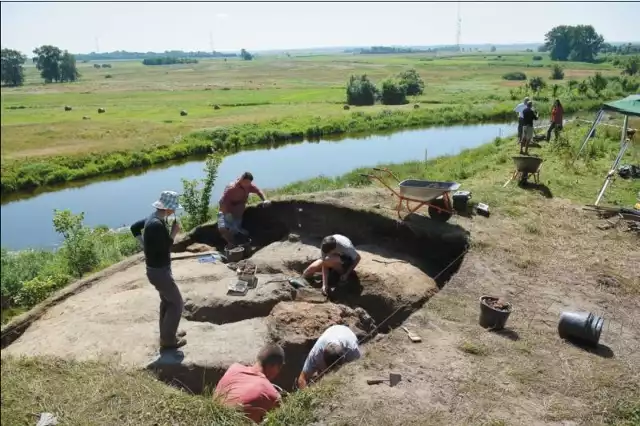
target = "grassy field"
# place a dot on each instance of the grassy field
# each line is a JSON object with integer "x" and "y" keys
{"x": 88, "y": 393}
{"x": 259, "y": 101}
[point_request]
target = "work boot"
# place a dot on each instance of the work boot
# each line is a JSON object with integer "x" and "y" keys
{"x": 178, "y": 343}
{"x": 181, "y": 333}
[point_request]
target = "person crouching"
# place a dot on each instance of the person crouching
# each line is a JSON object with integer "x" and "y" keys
{"x": 250, "y": 387}
{"x": 338, "y": 258}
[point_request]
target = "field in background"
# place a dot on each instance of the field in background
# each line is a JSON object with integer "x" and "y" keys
{"x": 143, "y": 103}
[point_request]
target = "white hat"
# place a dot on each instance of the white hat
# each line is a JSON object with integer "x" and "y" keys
{"x": 168, "y": 201}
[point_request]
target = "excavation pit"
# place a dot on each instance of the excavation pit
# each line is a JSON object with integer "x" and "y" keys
{"x": 117, "y": 316}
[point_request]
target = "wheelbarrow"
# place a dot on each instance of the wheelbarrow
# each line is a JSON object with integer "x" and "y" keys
{"x": 525, "y": 166}
{"x": 417, "y": 193}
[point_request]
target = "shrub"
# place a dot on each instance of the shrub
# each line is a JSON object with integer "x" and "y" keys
{"x": 413, "y": 84}
{"x": 108, "y": 76}
{"x": 39, "y": 288}
{"x": 631, "y": 66}
{"x": 196, "y": 201}
{"x": 79, "y": 248}
{"x": 393, "y": 93}
{"x": 557, "y": 73}
{"x": 361, "y": 91}
{"x": 537, "y": 84}
{"x": 537, "y": 58}
{"x": 515, "y": 76}
{"x": 598, "y": 83}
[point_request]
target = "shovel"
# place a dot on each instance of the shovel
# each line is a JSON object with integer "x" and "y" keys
{"x": 393, "y": 380}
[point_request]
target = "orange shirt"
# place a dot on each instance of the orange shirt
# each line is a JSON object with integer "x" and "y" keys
{"x": 234, "y": 199}
{"x": 249, "y": 388}
{"x": 557, "y": 115}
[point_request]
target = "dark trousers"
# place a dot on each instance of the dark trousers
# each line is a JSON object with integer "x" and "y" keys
{"x": 520, "y": 127}
{"x": 171, "y": 302}
{"x": 553, "y": 126}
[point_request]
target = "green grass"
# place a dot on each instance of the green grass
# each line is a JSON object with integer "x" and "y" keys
{"x": 90, "y": 393}
{"x": 281, "y": 99}
{"x": 28, "y": 277}
{"x": 485, "y": 169}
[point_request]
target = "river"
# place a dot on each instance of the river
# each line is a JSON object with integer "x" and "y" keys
{"x": 27, "y": 222}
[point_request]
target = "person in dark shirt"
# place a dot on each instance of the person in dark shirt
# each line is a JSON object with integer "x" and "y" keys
{"x": 157, "y": 241}
{"x": 528, "y": 116}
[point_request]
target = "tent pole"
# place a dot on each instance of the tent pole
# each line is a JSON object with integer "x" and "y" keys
{"x": 586, "y": 139}
{"x": 624, "y": 145}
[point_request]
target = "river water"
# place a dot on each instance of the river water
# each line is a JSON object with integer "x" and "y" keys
{"x": 27, "y": 223}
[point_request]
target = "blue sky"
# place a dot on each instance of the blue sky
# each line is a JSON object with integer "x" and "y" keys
{"x": 137, "y": 26}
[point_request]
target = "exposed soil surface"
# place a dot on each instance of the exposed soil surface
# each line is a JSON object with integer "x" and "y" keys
{"x": 117, "y": 316}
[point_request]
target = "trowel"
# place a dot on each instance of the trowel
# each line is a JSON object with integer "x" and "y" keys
{"x": 393, "y": 380}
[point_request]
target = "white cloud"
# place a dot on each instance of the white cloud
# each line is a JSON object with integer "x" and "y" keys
{"x": 222, "y": 15}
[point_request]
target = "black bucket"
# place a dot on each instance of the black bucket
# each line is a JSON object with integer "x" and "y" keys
{"x": 490, "y": 317}
{"x": 581, "y": 327}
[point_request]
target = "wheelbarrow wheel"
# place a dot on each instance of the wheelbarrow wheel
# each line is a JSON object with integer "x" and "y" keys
{"x": 440, "y": 215}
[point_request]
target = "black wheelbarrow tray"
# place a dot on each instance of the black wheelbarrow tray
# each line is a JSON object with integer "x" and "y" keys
{"x": 416, "y": 193}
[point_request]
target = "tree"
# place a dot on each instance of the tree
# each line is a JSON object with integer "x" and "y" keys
{"x": 55, "y": 65}
{"x": 580, "y": 43}
{"x": 48, "y": 62}
{"x": 68, "y": 70}
{"x": 196, "y": 200}
{"x": 246, "y": 56}
{"x": 393, "y": 92}
{"x": 413, "y": 84}
{"x": 361, "y": 91}
{"x": 12, "y": 65}
{"x": 493, "y": 48}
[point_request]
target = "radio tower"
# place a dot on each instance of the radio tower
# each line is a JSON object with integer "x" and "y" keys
{"x": 458, "y": 28}
{"x": 211, "y": 42}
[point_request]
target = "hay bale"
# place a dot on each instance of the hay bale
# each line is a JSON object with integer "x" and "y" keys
{"x": 86, "y": 117}
{"x": 346, "y": 107}
{"x": 183, "y": 113}
{"x": 67, "y": 108}
{"x": 101, "y": 110}
{"x": 216, "y": 106}
{"x": 416, "y": 106}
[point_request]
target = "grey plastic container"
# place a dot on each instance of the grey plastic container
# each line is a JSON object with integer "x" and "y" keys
{"x": 581, "y": 327}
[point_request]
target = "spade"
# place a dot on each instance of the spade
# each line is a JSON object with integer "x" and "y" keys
{"x": 393, "y": 380}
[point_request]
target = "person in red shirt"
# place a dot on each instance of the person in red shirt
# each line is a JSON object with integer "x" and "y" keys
{"x": 557, "y": 117}
{"x": 232, "y": 205}
{"x": 251, "y": 387}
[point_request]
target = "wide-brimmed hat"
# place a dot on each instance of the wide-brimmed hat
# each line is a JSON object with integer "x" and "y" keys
{"x": 168, "y": 201}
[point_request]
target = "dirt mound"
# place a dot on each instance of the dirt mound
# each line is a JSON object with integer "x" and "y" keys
{"x": 297, "y": 325}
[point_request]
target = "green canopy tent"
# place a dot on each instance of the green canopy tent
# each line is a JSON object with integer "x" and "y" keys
{"x": 629, "y": 106}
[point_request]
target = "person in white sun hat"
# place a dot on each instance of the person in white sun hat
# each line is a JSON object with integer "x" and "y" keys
{"x": 157, "y": 241}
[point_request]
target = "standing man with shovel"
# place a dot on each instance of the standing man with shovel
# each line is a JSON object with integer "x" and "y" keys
{"x": 157, "y": 242}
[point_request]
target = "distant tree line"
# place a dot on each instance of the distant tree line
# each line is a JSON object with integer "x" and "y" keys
{"x": 124, "y": 55}
{"x": 621, "y": 49}
{"x": 382, "y": 50}
{"x": 168, "y": 60}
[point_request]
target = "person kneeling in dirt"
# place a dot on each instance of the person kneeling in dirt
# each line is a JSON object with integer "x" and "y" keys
{"x": 232, "y": 205}
{"x": 157, "y": 241}
{"x": 251, "y": 387}
{"x": 338, "y": 258}
{"x": 335, "y": 347}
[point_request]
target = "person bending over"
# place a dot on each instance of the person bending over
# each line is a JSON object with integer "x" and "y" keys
{"x": 157, "y": 241}
{"x": 233, "y": 204}
{"x": 338, "y": 258}
{"x": 335, "y": 347}
{"x": 251, "y": 387}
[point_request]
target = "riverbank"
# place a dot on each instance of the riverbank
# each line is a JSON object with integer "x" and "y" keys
{"x": 31, "y": 173}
